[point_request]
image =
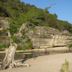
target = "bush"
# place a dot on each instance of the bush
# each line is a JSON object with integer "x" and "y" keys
{"x": 2, "y": 46}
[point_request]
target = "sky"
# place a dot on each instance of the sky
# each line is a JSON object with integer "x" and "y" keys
{"x": 63, "y": 8}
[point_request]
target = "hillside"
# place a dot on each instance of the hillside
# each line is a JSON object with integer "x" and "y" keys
{"x": 18, "y": 13}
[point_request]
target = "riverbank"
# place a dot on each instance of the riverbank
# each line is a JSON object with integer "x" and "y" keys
{"x": 47, "y": 63}
{"x": 20, "y": 54}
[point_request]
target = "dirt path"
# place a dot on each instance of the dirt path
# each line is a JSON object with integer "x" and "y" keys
{"x": 48, "y": 63}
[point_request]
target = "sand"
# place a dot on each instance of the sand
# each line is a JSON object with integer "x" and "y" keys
{"x": 48, "y": 63}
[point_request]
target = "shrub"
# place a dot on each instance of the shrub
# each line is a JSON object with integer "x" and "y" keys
{"x": 65, "y": 67}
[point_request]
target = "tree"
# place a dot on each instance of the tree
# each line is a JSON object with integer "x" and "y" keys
{"x": 8, "y": 61}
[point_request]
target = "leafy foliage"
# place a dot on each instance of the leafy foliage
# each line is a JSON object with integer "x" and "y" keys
{"x": 2, "y": 46}
{"x": 23, "y": 42}
{"x": 19, "y": 12}
{"x": 65, "y": 67}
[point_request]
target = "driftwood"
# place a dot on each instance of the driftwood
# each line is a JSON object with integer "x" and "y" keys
{"x": 20, "y": 64}
{"x": 9, "y": 57}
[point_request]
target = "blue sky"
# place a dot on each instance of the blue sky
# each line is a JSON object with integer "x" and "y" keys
{"x": 63, "y": 8}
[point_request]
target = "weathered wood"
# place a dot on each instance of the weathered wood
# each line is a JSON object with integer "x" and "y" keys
{"x": 9, "y": 56}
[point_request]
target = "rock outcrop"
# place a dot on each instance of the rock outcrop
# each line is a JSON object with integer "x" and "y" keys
{"x": 43, "y": 37}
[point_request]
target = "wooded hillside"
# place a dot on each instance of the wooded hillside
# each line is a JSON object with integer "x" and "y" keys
{"x": 19, "y": 12}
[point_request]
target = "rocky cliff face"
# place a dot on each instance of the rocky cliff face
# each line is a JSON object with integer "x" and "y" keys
{"x": 43, "y": 37}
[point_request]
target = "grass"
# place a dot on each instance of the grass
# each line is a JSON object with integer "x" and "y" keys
{"x": 65, "y": 67}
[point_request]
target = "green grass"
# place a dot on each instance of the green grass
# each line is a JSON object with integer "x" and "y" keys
{"x": 65, "y": 67}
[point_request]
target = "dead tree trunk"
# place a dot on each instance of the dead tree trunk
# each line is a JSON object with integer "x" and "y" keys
{"x": 8, "y": 61}
{"x": 9, "y": 54}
